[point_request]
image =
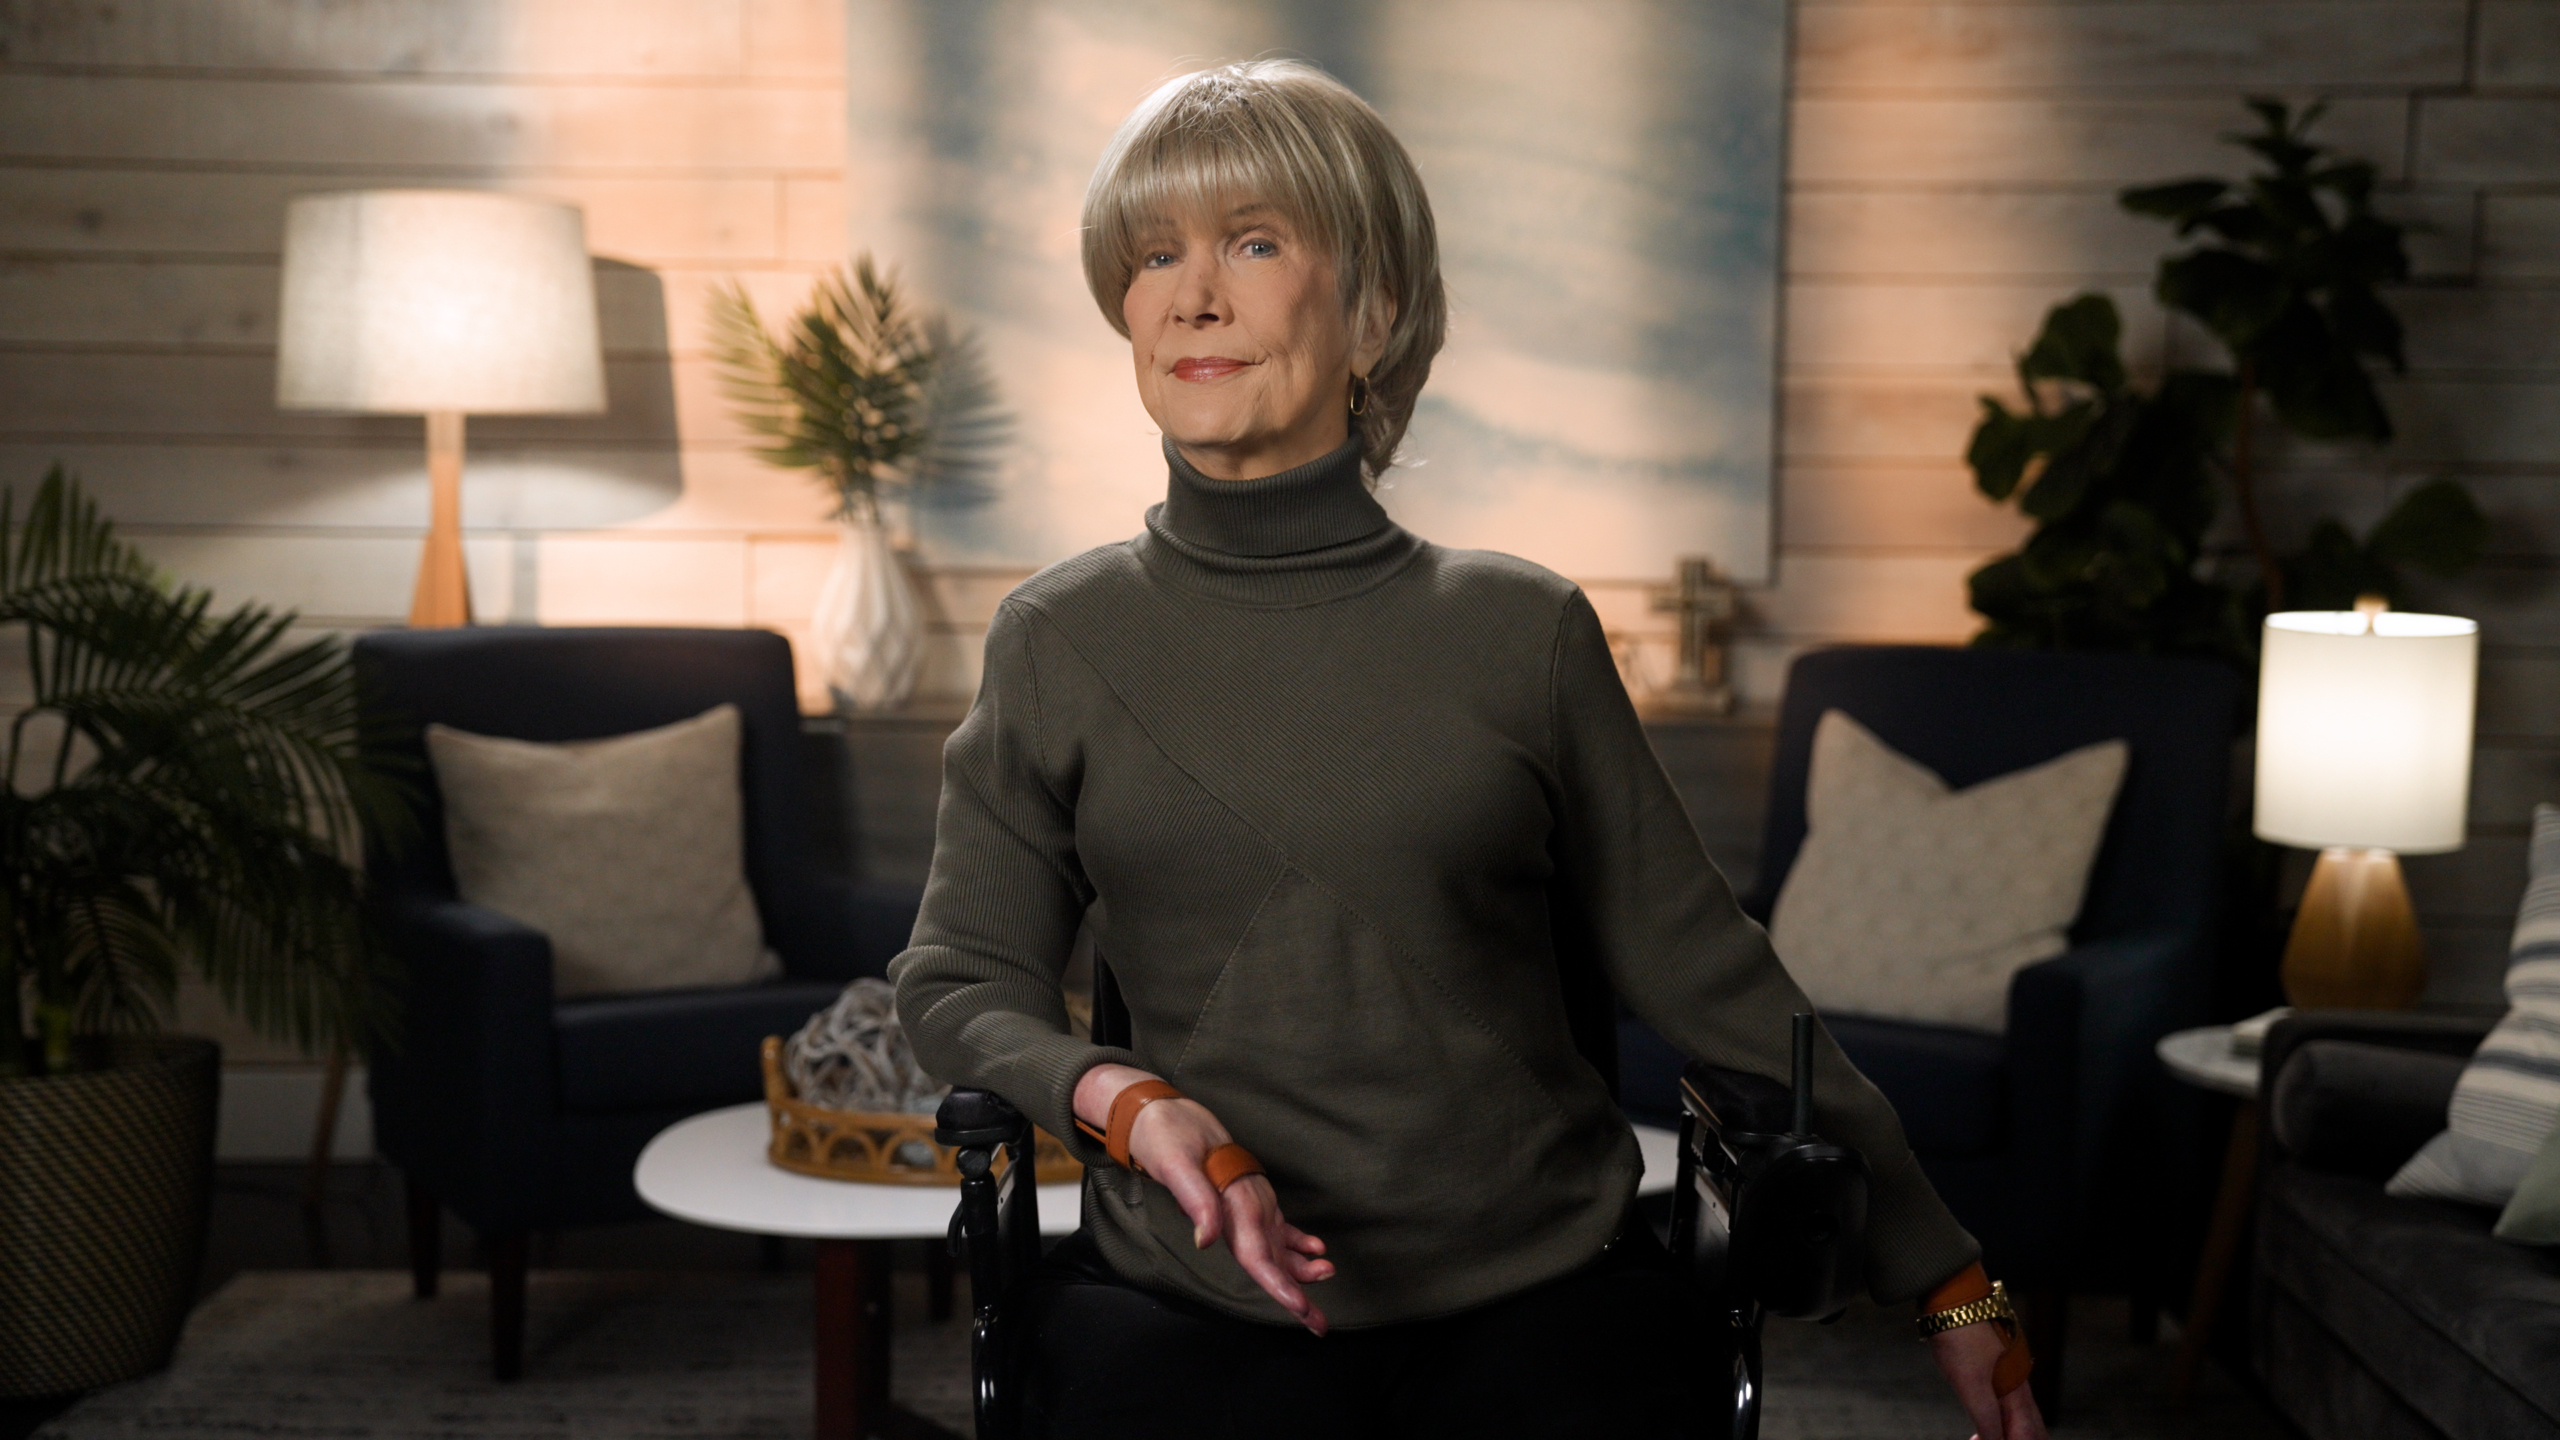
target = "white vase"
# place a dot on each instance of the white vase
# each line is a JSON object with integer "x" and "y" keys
{"x": 869, "y": 630}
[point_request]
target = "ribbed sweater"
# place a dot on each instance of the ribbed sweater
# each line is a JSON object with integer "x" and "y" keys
{"x": 1341, "y": 803}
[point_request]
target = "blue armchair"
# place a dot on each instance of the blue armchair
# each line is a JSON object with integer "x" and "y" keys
{"x": 523, "y": 1112}
{"x": 2039, "y": 1137}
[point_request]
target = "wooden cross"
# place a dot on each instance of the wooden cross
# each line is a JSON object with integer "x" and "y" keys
{"x": 1705, "y": 606}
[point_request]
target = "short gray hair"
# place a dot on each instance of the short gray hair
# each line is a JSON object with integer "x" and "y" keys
{"x": 1289, "y": 135}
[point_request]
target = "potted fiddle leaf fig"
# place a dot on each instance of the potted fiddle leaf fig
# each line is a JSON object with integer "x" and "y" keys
{"x": 185, "y": 791}
{"x": 2123, "y": 480}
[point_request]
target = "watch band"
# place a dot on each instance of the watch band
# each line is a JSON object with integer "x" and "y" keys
{"x": 1994, "y": 1306}
{"x": 1972, "y": 1298}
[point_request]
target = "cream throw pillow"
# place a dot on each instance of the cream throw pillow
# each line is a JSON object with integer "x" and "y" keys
{"x": 628, "y": 852}
{"x": 2507, "y": 1103}
{"x": 1913, "y": 902}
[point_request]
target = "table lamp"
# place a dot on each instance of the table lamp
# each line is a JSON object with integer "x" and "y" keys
{"x": 439, "y": 303}
{"x": 2364, "y": 754}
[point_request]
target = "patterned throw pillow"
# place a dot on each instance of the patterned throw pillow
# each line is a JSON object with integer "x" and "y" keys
{"x": 2508, "y": 1099}
{"x": 1911, "y": 901}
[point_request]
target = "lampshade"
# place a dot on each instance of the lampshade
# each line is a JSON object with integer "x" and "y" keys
{"x": 411, "y": 301}
{"x": 2364, "y": 729}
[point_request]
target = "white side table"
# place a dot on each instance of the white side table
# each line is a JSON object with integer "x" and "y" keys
{"x": 2203, "y": 1057}
{"x": 711, "y": 1170}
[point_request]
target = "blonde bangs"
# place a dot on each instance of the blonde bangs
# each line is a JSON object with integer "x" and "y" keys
{"x": 1178, "y": 158}
{"x": 1287, "y": 135}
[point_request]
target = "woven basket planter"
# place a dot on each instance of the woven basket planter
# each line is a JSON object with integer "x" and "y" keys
{"x": 103, "y": 1193}
{"x": 877, "y": 1147}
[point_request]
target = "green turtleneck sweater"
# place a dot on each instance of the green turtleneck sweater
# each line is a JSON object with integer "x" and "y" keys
{"x": 1341, "y": 802}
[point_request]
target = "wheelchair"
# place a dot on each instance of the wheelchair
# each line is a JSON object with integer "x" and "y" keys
{"x": 1767, "y": 1219}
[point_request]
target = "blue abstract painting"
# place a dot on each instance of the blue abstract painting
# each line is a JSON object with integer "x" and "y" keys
{"x": 1606, "y": 175}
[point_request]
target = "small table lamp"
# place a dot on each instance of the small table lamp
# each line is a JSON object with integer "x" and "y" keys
{"x": 438, "y": 303}
{"x": 2364, "y": 753}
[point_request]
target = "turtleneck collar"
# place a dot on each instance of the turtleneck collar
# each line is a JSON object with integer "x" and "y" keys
{"x": 1317, "y": 504}
{"x": 1303, "y": 536}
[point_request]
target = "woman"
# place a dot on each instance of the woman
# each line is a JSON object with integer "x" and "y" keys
{"x": 1342, "y": 803}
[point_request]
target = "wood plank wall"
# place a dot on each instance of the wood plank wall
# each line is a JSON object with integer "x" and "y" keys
{"x": 1952, "y": 172}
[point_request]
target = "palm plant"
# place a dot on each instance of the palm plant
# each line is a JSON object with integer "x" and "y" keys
{"x": 185, "y": 789}
{"x": 862, "y": 390}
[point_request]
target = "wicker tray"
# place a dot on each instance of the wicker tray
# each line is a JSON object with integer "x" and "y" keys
{"x": 875, "y": 1147}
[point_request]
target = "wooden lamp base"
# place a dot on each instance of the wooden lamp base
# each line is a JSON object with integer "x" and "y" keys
{"x": 443, "y": 596}
{"x": 2355, "y": 942}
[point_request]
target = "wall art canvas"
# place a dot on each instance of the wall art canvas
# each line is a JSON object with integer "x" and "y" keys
{"x": 1606, "y": 176}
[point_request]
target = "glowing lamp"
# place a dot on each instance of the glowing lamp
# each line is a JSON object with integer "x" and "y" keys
{"x": 438, "y": 303}
{"x": 2364, "y": 754}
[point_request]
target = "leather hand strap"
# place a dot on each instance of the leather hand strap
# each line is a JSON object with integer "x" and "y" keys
{"x": 1970, "y": 1285}
{"x": 1228, "y": 1164}
{"x": 1133, "y": 1098}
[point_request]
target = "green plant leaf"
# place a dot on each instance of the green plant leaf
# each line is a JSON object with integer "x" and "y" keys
{"x": 2234, "y": 295}
{"x": 2357, "y": 317}
{"x": 862, "y": 389}
{"x": 2003, "y": 445}
{"x": 2077, "y": 343}
{"x": 2177, "y": 200}
{"x": 217, "y": 804}
{"x": 2437, "y": 527}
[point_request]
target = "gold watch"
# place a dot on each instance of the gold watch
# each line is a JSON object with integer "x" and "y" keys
{"x": 1994, "y": 1306}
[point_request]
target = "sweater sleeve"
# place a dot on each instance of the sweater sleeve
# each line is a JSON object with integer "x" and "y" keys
{"x": 979, "y": 986}
{"x": 1682, "y": 955}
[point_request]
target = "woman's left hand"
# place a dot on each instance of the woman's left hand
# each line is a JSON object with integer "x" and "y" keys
{"x": 1966, "y": 1355}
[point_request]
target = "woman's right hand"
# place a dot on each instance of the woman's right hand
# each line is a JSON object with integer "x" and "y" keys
{"x": 1169, "y": 1140}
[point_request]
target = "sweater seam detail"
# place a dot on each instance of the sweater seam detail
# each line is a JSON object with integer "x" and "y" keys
{"x": 1282, "y": 853}
{"x": 1039, "y": 714}
{"x": 1210, "y": 1000}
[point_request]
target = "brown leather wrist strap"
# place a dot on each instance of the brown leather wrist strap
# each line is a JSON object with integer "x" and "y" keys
{"x": 1133, "y": 1098}
{"x": 1228, "y": 1164}
{"x": 1970, "y": 1284}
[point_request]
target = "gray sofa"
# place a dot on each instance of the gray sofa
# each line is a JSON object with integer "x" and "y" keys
{"x": 2376, "y": 1317}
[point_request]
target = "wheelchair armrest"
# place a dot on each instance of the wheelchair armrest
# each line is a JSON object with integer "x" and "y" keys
{"x": 1766, "y": 1217}
{"x": 996, "y": 1227}
{"x": 978, "y": 1120}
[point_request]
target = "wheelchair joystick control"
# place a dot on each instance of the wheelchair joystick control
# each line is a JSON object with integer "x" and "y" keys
{"x": 1768, "y": 1217}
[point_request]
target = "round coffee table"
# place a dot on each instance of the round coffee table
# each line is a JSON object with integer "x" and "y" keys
{"x": 711, "y": 1170}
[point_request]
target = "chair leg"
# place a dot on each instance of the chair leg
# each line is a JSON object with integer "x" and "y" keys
{"x": 2048, "y": 1313}
{"x": 509, "y": 1253}
{"x": 426, "y": 1238}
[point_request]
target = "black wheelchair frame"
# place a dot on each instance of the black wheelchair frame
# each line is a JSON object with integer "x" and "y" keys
{"x": 1767, "y": 1219}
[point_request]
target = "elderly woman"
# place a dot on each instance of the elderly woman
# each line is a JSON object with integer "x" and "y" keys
{"x": 1344, "y": 805}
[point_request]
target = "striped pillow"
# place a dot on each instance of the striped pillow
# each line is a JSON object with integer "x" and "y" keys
{"x": 2508, "y": 1101}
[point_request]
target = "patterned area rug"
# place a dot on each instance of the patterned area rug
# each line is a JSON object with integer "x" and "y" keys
{"x": 678, "y": 1356}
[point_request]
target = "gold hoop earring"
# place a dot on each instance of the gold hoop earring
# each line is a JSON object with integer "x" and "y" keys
{"x": 1359, "y": 394}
